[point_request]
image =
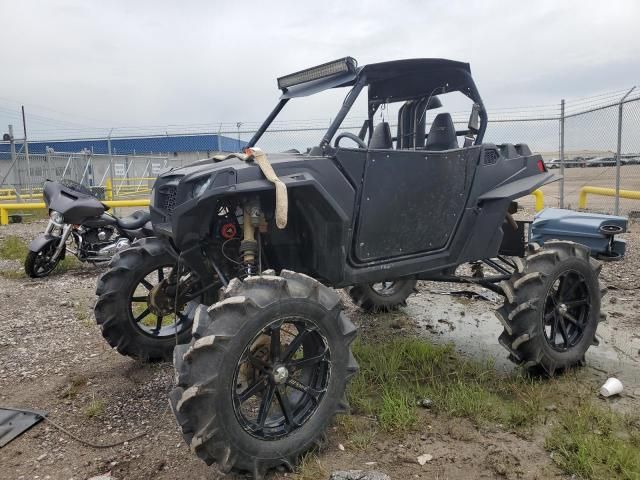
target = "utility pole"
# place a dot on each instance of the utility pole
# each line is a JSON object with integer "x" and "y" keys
{"x": 26, "y": 153}
{"x": 109, "y": 194}
{"x": 618, "y": 151}
{"x": 562, "y": 153}
{"x": 14, "y": 161}
{"x": 239, "y": 124}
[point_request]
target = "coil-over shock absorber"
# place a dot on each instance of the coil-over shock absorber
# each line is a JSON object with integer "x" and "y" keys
{"x": 249, "y": 245}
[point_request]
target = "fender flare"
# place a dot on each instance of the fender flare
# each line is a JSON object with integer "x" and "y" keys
{"x": 41, "y": 241}
{"x": 519, "y": 188}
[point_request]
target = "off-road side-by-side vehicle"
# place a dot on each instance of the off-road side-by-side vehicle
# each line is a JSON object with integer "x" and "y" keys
{"x": 268, "y": 364}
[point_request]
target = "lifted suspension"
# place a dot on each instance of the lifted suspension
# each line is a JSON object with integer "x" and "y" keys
{"x": 249, "y": 246}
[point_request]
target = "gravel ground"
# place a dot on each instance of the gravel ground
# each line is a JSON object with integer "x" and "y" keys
{"x": 53, "y": 358}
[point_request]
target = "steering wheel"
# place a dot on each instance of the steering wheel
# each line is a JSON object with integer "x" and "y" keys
{"x": 350, "y": 136}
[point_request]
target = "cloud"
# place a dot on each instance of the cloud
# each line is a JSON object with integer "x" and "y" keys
{"x": 164, "y": 62}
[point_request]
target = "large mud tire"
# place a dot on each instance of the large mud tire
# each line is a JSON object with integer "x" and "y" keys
{"x": 204, "y": 400}
{"x": 552, "y": 307}
{"x": 113, "y": 312}
{"x": 383, "y": 296}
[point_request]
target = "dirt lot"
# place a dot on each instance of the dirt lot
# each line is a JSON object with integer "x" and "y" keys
{"x": 53, "y": 358}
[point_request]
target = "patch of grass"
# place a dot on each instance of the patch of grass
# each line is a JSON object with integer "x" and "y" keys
{"x": 13, "y": 248}
{"x": 82, "y": 314}
{"x": 471, "y": 399}
{"x": 395, "y": 375}
{"x": 69, "y": 262}
{"x": 397, "y": 409}
{"x": 310, "y": 468}
{"x": 75, "y": 385}
{"x": 36, "y": 215}
{"x": 95, "y": 408}
{"x": 360, "y": 431}
{"x": 595, "y": 443}
{"x": 589, "y": 441}
{"x": 13, "y": 274}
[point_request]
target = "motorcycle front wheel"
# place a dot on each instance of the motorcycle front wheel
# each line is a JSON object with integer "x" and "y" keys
{"x": 41, "y": 263}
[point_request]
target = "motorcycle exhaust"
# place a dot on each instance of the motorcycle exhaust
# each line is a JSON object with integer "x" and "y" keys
{"x": 110, "y": 250}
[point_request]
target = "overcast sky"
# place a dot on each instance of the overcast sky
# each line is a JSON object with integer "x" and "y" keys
{"x": 96, "y": 63}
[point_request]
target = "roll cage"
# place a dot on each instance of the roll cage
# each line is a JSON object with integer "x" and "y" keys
{"x": 415, "y": 81}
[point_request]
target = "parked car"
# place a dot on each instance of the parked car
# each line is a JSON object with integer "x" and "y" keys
{"x": 553, "y": 163}
{"x": 601, "y": 162}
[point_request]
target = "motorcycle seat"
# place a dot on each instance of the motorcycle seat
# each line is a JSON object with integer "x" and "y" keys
{"x": 134, "y": 221}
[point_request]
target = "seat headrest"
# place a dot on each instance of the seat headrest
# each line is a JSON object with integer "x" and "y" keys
{"x": 442, "y": 135}
{"x": 381, "y": 137}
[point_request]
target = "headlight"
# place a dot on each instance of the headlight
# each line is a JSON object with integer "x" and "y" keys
{"x": 56, "y": 217}
{"x": 201, "y": 186}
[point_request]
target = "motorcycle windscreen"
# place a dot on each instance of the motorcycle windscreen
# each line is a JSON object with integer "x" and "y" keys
{"x": 412, "y": 201}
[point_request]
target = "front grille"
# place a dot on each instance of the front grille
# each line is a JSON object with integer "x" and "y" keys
{"x": 167, "y": 198}
{"x": 490, "y": 156}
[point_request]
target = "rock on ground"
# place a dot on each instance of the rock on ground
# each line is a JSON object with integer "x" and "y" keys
{"x": 358, "y": 475}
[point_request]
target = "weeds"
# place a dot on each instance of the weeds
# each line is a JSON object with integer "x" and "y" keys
{"x": 76, "y": 384}
{"x": 36, "y": 216}
{"x": 310, "y": 468}
{"x": 360, "y": 431}
{"x": 595, "y": 443}
{"x": 13, "y": 274}
{"x": 82, "y": 314}
{"x": 589, "y": 441}
{"x": 13, "y": 248}
{"x": 67, "y": 263}
{"x": 95, "y": 408}
{"x": 395, "y": 375}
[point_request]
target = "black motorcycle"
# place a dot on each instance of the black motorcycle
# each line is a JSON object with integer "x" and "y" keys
{"x": 79, "y": 224}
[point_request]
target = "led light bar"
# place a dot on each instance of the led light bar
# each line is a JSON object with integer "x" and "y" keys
{"x": 330, "y": 69}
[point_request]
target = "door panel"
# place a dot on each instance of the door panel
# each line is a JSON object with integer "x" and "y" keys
{"x": 411, "y": 201}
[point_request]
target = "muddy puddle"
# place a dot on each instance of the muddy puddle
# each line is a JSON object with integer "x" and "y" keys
{"x": 466, "y": 319}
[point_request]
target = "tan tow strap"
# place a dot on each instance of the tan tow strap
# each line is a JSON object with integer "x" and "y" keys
{"x": 256, "y": 154}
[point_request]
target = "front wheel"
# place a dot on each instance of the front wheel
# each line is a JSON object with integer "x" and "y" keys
{"x": 41, "y": 263}
{"x": 264, "y": 374}
{"x": 135, "y": 309}
{"x": 552, "y": 307}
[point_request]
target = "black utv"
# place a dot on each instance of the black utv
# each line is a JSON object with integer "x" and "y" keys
{"x": 374, "y": 212}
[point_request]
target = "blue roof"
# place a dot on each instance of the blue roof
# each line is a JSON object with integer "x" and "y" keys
{"x": 138, "y": 145}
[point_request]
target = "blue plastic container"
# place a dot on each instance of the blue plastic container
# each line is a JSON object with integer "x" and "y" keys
{"x": 594, "y": 230}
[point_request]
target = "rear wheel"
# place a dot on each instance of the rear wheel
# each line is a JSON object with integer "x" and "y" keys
{"x": 382, "y": 296}
{"x": 264, "y": 374}
{"x": 552, "y": 307}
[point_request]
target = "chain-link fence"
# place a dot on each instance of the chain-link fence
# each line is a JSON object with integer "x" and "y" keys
{"x": 113, "y": 176}
{"x": 594, "y": 142}
{"x": 602, "y": 157}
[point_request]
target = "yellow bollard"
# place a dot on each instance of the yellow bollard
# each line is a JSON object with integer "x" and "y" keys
{"x": 6, "y": 207}
{"x": 108, "y": 189}
{"x": 607, "y": 192}
{"x": 539, "y": 199}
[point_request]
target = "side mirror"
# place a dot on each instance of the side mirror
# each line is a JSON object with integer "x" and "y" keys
{"x": 474, "y": 119}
